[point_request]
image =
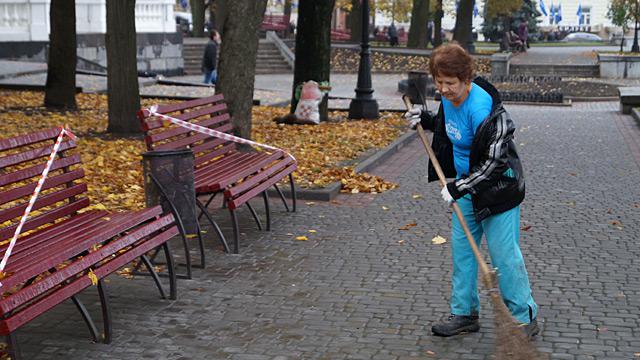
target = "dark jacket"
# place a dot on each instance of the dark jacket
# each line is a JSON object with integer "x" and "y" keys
{"x": 493, "y": 152}
{"x": 210, "y": 56}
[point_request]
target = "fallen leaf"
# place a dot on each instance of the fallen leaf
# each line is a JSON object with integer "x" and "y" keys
{"x": 408, "y": 226}
{"x": 400, "y": 242}
{"x": 93, "y": 277}
{"x": 385, "y": 208}
{"x": 438, "y": 240}
{"x": 302, "y": 238}
{"x": 312, "y": 231}
{"x": 416, "y": 196}
{"x": 526, "y": 228}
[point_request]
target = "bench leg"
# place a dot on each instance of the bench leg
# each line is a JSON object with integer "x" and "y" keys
{"x": 284, "y": 200}
{"x": 236, "y": 232}
{"x": 87, "y": 318}
{"x": 266, "y": 208}
{"x": 154, "y": 275}
{"x": 206, "y": 205}
{"x": 214, "y": 225}
{"x": 106, "y": 311}
{"x": 12, "y": 347}
{"x": 293, "y": 191}
{"x": 173, "y": 288}
{"x": 255, "y": 215}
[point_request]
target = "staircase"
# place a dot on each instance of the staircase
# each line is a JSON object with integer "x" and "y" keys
{"x": 192, "y": 51}
{"x": 269, "y": 61}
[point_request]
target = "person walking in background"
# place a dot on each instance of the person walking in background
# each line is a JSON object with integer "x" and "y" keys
{"x": 430, "y": 36}
{"x": 523, "y": 34}
{"x": 210, "y": 58}
{"x": 473, "y": 141}
{"x": 393, "y": 35}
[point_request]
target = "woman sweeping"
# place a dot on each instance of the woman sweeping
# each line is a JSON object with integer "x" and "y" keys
{"x": 473, "y": 141}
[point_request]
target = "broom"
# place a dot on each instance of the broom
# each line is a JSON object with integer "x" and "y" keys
{"x": 511, "y": 341}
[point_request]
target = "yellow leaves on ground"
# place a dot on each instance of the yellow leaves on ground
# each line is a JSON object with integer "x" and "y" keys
{"x": 326, "y": 153}
{"x": 302, "y": 238}
{"x": 323, "y": 150}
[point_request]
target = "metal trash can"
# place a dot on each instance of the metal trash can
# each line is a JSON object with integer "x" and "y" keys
{"x": 168, "y": 174}
{"x": 419, "y": 86}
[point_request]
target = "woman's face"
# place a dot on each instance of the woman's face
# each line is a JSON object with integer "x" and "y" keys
{"x": 452, "y": 88}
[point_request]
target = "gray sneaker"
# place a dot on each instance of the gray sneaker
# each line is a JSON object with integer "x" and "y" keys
{"x": 531, "y": 329}
{"x": 456, "y": 324}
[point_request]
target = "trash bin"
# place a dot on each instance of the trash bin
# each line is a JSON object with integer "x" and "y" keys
{"x": 168, "y": 175}
{"x": 418, "y": 86}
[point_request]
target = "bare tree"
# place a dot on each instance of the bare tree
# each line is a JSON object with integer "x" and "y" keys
{"x": 122, "y": 74}
{"x": 238, "y": 54}
{"x": 197, "y": 16}
{"x": 418, "y": 29}
{"x": 464, "y": 18}
{"x": 60, "y": 88}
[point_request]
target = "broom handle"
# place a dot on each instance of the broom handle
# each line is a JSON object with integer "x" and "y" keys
{"x": 434, "y": 161}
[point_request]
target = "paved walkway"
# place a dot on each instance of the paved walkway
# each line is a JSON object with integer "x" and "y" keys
{"x": 362, "y": 288}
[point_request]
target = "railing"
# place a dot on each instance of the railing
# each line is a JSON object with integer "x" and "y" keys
{"x": 28, "y": 20}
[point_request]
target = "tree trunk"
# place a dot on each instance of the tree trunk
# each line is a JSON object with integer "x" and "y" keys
{"x": 464, "y": 17}
{"x": 197, "y": 16}
{"x": 221, "y": 12}
{"x": 355, "y": 21}
{"x": 418, "y": 29}
{"x": 313, "y": 47}
{"x": 237, "y": 65}
{"x": 122, "y": 74}
{"x": 437, "y": 25}
{"x": 60, "y": 88}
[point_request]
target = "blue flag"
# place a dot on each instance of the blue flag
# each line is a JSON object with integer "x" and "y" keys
{"x": 579, "y": 13}
{"x": 543, "y": 9}
{"x": 552, "y": 13}
{"x": 184, "y": 4}
{"x": 559, "y": 14}
{"x": 475, "y": 9}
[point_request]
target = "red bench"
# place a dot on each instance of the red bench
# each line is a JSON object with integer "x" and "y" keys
{"x": 275, "y": 22}
{"x": 220, "y": 167}
{"x": 340, "y": 35}
{"x": 61, "y": 248}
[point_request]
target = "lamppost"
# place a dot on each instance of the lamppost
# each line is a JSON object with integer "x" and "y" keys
{"x": 635, "y": 48}
{"x": 364, "y": 106}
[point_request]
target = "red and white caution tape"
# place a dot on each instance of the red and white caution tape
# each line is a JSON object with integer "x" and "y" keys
{"x": 218, "y": 134}
{"x": 36, "y": 192}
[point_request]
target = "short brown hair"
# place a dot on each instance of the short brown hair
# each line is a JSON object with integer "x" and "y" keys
{"x": 451, "y": 60}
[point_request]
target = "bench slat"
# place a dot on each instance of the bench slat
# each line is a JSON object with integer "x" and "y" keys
{"x": 32, "y": 171}
{"x": 28, "y": 139}
{"x": 254, "y": 180}
{"x": 156, "y": 122}
{"x": 43, "y": 201}
{"x": 164, "y": 109}
{"x": 51, "y": 182}
{"x": 48, "y": 217}
{"x": 33, "y": 154}
{"x": 178, "y": 130}
{"x": 238, "y": 201}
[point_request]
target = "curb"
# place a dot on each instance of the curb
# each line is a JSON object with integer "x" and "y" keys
{"x": 22, "y": 73}
{"x": 635, "y": 113}
{"x": 332, "y": 190}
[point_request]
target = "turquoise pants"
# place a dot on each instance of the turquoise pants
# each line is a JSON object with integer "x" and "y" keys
{"x": 503, "y": 233}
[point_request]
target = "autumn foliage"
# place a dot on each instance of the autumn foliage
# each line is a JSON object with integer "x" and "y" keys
{"x": 326, "y": 153}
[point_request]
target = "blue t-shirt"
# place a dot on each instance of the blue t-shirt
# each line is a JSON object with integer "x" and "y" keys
{"x": 462, "y": 122}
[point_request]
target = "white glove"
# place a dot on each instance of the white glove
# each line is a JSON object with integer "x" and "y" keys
{"x": 413, "y": 117}
{"x": 446, "y": 196}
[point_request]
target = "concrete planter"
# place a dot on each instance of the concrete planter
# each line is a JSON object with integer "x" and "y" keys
{"x": 619, "y": 66}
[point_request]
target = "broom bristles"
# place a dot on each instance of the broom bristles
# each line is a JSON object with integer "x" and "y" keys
{"x": 511, "y": 341}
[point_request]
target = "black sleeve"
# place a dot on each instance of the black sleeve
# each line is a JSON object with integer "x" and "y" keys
{"x": 428, "y": 120}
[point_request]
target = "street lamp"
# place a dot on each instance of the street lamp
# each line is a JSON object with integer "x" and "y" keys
{"x": 635, "y": 48}
{"x": 364, "y": 106}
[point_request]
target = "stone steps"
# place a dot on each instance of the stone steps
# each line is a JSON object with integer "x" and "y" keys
{"x": 269, "y": 58}
{"x": 556, "y": 70}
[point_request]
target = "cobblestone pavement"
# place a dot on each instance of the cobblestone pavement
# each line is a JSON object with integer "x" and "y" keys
{"x": 361, "y": 288}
